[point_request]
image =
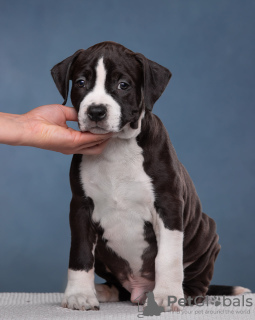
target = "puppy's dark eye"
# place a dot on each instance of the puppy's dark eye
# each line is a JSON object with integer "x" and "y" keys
{"x": 81, "y": 83}
{"x": 123, "y": 85}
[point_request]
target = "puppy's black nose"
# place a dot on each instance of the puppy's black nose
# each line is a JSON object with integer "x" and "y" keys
{"x": 97, "y": 112}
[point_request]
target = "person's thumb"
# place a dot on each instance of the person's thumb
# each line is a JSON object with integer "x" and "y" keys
{"x": 70, "y": 113}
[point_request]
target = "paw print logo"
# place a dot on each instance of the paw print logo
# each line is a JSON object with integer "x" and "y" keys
{"x": 216, "y": 301}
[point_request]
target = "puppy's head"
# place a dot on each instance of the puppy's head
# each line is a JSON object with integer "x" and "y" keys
{"x": 111, "y": 86}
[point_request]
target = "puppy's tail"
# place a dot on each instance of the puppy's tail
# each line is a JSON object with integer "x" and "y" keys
{"x": 215, "y": 290}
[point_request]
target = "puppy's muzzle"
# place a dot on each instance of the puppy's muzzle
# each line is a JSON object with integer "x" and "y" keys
{"x": 97, "y": 112}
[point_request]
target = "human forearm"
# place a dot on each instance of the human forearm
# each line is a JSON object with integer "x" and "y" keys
{"x": 11, "y": 129}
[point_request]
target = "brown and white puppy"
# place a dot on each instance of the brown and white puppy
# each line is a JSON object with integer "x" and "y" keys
{"x": 135, "y": 217}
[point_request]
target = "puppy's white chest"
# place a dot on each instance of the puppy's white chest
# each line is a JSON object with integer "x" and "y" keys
{"x": 123, "y": 197}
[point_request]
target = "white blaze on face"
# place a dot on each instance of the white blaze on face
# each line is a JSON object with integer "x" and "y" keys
{"x": 99, "y": 96}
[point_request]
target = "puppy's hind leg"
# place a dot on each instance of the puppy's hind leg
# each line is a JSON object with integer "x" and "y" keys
{"x": 107, "y": 292}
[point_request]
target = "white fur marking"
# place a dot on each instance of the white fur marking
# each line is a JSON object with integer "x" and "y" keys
{"x": 80, "y": 281}
{"x": 123, "y": 197}
{"x": 168, "y": 265}
{"x": 99, "y": 96}
{"x": 80, "y": 291}
{"x": 241, "y": 290}
{"x": 185, "y": 265}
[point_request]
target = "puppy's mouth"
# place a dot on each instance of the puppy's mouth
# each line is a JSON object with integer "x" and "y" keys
{"x": 98, "y": 130}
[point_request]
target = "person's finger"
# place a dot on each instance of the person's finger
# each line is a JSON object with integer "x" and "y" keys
{"x": 97, "y": 149}
{"x": 70, "y": 113}
{"x": 83, "y": 138}
{"x": 92, "y": 144}
{"x": 90, "y": 138}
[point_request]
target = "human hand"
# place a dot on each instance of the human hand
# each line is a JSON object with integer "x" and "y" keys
{"x": 45, "y": 127}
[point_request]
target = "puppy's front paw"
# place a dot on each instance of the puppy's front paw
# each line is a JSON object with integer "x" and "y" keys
{"x": 168, "y": 300}
{"x": 81, "y": 301}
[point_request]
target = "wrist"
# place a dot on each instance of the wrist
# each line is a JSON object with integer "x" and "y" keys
{"x": 12, "y": 129}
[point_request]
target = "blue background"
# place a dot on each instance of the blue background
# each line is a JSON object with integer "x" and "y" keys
{"x": 208, "y": 109}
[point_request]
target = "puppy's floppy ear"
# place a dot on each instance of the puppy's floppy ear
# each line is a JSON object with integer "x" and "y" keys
{"x": 61, "y": 73}
{"x": 155, "y": 80}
